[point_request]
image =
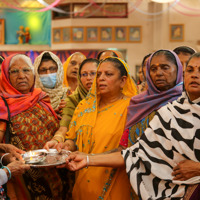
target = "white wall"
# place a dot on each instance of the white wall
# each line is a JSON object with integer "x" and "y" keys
{"x": 135, "y": 51}
{"x": 155, "y": 32}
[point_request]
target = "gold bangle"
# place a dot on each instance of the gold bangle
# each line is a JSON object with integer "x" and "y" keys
{"x": 60, "y": 133}
{"x": 59, "y": 137}
{"x": 56, "y": 140}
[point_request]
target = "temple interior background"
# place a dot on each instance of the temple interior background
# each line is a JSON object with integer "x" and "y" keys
{"x": 134, "y": 27}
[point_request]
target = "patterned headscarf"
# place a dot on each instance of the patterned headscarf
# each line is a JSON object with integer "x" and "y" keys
{"x": 17, "y": 101}
{"x": 58, "y": 92}
{"x": 152, "y": 99}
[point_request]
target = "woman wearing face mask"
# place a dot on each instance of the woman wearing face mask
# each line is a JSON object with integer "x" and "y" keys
{"x": 49, "y": 77}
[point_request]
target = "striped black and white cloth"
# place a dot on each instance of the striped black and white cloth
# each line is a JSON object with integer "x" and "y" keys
{"x": 173, "y": 135}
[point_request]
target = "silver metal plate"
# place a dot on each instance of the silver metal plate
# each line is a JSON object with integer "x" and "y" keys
{"x": 43, "y": 158}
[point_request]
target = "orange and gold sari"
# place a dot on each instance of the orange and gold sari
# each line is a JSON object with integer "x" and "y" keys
{"x": 96, "y": 131}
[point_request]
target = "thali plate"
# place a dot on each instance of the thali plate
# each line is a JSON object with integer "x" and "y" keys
{"x": 43, "y": 158}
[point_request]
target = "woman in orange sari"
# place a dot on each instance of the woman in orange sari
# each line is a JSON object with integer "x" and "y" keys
{"x": 97, "y": 126}
{"x": 34, "y": 122}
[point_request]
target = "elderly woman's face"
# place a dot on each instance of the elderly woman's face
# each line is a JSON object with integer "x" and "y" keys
{"x": 88, "y": 73}
{"x": 74, "y": 65}
{"x": 192, "y": 78}
{"x": 21, "y": 76}
{"x": 163, "y": 72}
{"x": 109, "y": 80}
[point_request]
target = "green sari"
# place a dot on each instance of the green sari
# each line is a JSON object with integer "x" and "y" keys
{"x": 71, "y": 103}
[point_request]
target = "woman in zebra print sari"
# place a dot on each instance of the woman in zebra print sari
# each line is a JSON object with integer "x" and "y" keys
{"x": 165, "y": 162}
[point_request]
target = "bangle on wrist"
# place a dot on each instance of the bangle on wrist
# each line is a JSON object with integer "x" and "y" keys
{"x": 8, "y": 171}
{"x": 3, "y": 157}
{"x": 87, "y": 161}
{"x": 60, "y": 133}
{"x": 56, "y": 140}
{"x": 59, "y": 136}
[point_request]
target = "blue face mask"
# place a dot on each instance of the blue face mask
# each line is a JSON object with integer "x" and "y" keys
{"x": 48, "y": 80}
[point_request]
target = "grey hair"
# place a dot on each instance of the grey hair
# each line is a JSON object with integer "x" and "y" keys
{"x": 77, "y": 53}
{"x": 23, "y": 57}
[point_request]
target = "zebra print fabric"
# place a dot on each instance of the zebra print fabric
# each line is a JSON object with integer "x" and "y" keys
{"x": 173, "y": 135}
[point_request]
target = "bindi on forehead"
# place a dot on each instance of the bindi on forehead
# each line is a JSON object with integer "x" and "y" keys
{"x": 156, "y": 65}
{"x": 193, "y": 66}
{"x": 194, "y": 62}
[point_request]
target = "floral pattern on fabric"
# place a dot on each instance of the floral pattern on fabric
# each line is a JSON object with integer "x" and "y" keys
{"x": 97, "y": 130}
{"x": 31, "y": 130}
{"x": 138, "y": 129}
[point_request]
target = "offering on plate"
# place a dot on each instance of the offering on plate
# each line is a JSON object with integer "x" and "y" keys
{"x": 44, "y": 158}
{"x": 32, "y": 157}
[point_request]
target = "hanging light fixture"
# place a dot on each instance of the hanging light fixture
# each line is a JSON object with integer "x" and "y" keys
{"x": 163, "y": 1}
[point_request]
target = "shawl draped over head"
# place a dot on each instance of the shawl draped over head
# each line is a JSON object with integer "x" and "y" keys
{"x": 93, "y": 130}
{"x": 17, "y": 101}
{"x": 65, "y": 66}
{"x": 88, "y": 110}
{"x": 173, "y": 136}
{"x": 58, "y": 92}
{"x": 72, "y": 101}
{"x": 152, "y": 99}
{"x": 80, "y": 92}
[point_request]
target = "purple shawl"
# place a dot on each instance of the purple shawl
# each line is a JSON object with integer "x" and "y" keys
{"x": 143, "y": 104}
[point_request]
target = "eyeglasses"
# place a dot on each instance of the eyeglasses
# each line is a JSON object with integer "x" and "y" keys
{"x": 15, "y": 72}
{"x": 51, "y": 69}
{"x": 92, "y": 74}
